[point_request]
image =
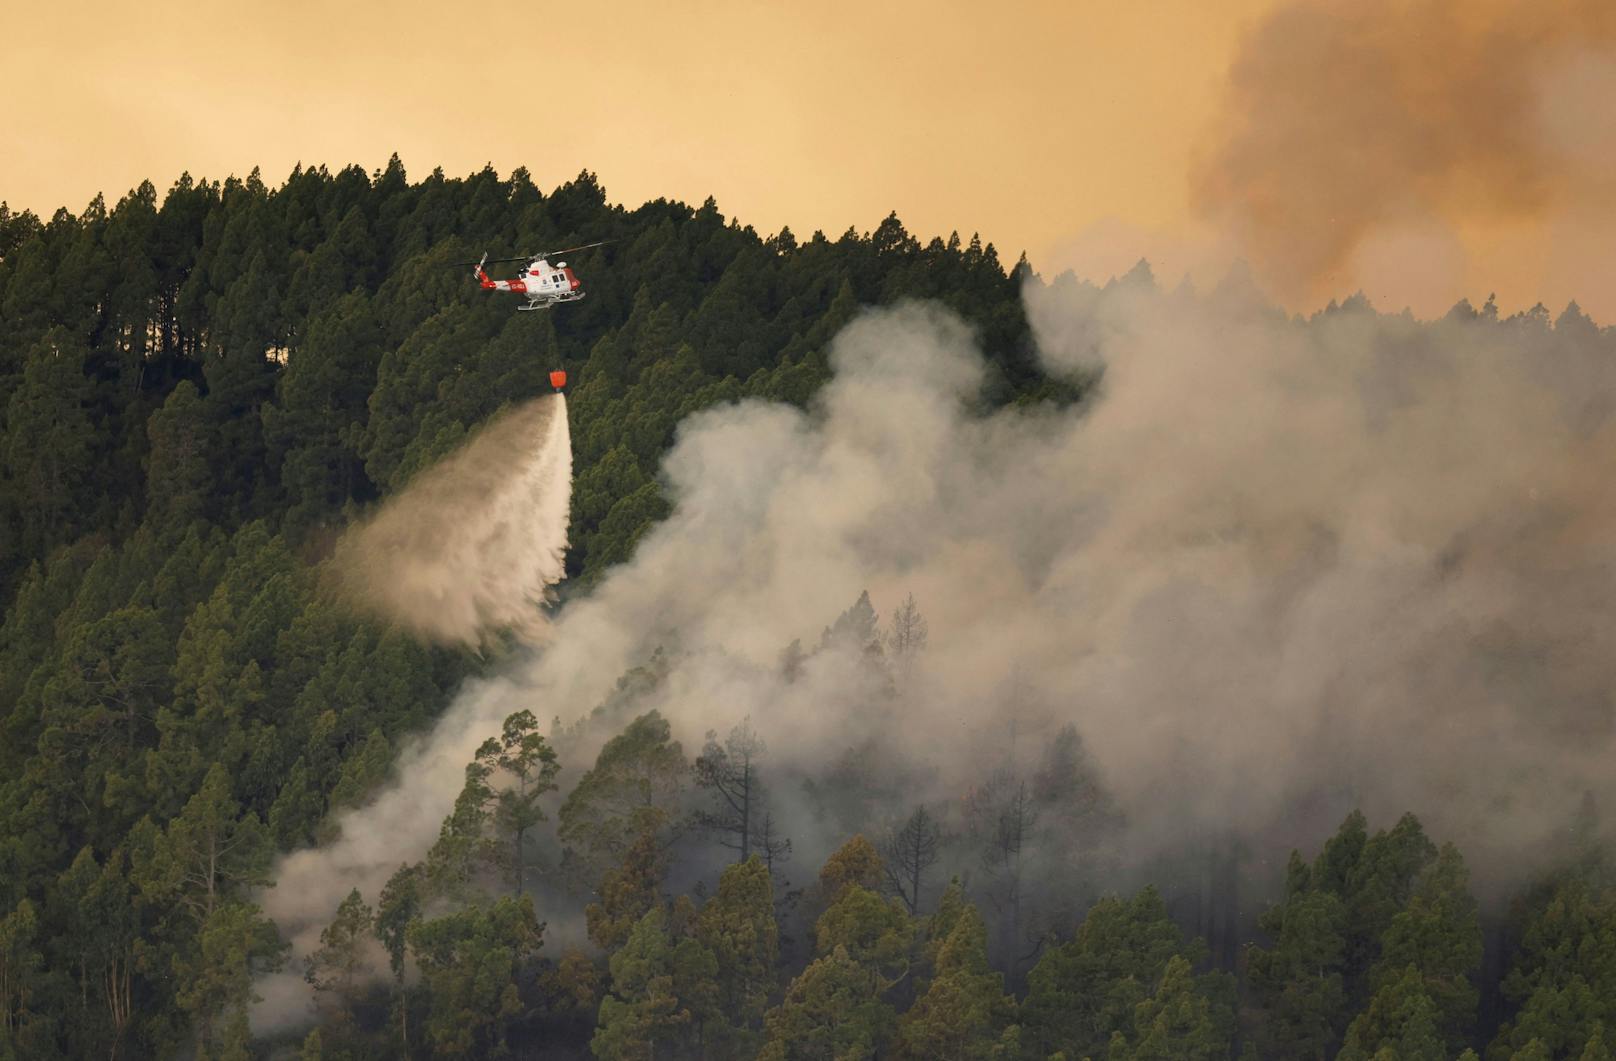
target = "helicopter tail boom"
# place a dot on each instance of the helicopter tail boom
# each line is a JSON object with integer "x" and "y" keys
{"x": 487, "y": 284}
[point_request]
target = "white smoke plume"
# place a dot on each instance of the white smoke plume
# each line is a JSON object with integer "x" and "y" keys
{"x": 471, "y": 545}
{"x": 1357, "y": 561}
{"x": 1274, "y": 570}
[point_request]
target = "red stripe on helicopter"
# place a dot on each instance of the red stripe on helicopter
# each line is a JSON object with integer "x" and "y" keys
{"x": 518, "y": 285}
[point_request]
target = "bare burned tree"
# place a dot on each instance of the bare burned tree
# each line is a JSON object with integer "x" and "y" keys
{"x": 729, "y": 772}
{"x": 908, "y": 852}
{"x": 771, "y": 847}
{"x": 1017, "y": 819}
{"x": 907, "y": 636}
{"x": 1003, "y": 817}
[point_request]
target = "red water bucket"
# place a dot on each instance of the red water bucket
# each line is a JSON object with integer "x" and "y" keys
{"x": 558, "y": 379}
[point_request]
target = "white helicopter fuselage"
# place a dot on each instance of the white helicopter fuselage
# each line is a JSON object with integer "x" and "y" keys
{"x": 543, "y": 284}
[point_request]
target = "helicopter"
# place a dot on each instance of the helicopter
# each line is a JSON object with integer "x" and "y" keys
{"x": 543, "y": 284}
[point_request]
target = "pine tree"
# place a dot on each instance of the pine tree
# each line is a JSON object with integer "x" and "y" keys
{"x": 627, "y": 892}
{"x": 876, "y": 933}
{"x": 397, "y": 908}
{"x": 1401, "y": 1016}
{"x": 20, "y": 963}
{"x": 1084, "y": 991}
{"x": 1177, "y": 1021}
{"x": 854, "y": 863}
{"x": 631, "y": 789}
{"x": 472, "y": 964}
{"x": 521, "y": 753}
{"x": 663, "y": 992}
{"x": 737, "y": 925}
{"x": 1439, "y": 934}
{"x": 1299, "y": 979}
{"x": 464, "y": 847}
{"x": 207, "y": 853}
{"x": 214, "y": 975}
{"x": 828, "y": 1011}
{"x": 963, "y": 1012}
{"x": 856, "y": 629}
{"x": 337, "y": 969}
{"x": 47, "y": 446}
{"x": 1564, "y": 975}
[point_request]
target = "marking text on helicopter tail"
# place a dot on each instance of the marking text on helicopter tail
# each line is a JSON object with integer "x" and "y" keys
{"x": 558, "y": 379}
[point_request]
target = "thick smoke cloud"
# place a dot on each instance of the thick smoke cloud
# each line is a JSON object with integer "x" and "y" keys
{"x": 1275, "y": 570}
{"x": 1356, "y": 135}
{"x": 471, "y": 544}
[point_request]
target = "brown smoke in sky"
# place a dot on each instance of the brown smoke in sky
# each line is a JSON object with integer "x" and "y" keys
{"x": 1380, "y": 128}
{"x": 471, "y": 544}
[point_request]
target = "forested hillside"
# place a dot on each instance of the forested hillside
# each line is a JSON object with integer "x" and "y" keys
{"x": 200, "y": 389}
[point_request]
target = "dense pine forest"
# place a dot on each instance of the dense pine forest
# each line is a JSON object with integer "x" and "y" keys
{"x": 202, "y": 388}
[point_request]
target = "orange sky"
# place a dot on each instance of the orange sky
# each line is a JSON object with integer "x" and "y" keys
{"x": 1065, "y": 129}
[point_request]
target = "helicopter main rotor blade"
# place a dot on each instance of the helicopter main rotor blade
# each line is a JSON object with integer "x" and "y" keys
{"x": 580, "y": 247}
{"x": 536, "y": 257}
{"x": 495, "y": 261}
